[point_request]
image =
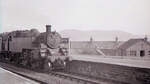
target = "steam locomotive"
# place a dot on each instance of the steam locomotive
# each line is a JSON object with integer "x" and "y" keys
{"x": 29, "y": 48}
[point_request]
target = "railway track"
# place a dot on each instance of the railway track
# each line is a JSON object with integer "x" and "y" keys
{"x": 58, "y": 77}
{"x": 78, "y": 79}
{"x": 74, "y": 79}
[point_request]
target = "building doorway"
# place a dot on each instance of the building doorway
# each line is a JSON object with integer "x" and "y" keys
{"x": 142, "y": 53}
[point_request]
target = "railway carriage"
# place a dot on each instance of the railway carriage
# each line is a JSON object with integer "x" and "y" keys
{"x": 47, "y": 50}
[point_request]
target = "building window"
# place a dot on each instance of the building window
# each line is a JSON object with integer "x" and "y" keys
{"x": 142, "y": 53}
{"x": 132, "y": 53}
{"x": 148, "y": 52}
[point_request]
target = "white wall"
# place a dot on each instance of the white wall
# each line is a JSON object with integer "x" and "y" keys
{"x": 141, "y": 45}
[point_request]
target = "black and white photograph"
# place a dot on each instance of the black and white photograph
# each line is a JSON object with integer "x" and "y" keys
{"x": 74, "y": 41}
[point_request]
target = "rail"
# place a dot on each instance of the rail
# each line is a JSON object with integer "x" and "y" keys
{"x": 78, "y": 79}
{"x": 61, "y": 75}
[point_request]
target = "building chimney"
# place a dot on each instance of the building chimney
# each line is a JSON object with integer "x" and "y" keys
{"x": 48, "y": 28}
{"x": 91, "y": 39}
{"x": 145, "y": 38}
{"x": 116, "y": 39}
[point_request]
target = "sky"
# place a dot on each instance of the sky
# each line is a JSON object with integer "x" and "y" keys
{"x": 131, "y": 16}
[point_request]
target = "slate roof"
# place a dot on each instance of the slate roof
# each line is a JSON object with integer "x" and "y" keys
{"x": 85, "y": 51}
{"x": 98, "y": 44}
{"x": 108, "y": 44}
{"x": 83, "y": 47}
{"x": 87, "y": 47}
{"x": 110, "y": 52}
{"x": 131, "y": 42}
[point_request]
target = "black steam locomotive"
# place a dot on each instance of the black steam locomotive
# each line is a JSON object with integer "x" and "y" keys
{"x": 29, "y": 48}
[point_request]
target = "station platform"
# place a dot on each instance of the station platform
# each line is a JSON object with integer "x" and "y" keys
{"x": 117, "y": 60}
{"x": 7, "y": 77}
{"x": 124, "y": 70}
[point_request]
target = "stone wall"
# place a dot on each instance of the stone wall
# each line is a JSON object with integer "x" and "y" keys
{"x": 123, "y": 74}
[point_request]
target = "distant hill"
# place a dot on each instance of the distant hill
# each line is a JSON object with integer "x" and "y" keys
{"x": 98, "y": 35}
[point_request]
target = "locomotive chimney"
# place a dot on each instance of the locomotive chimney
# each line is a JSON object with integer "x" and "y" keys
{"x": 48, "y": 28}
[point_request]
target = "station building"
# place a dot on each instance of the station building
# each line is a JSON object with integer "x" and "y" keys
{"x": 139, "y": 47}
{"x": 134, "y": 47}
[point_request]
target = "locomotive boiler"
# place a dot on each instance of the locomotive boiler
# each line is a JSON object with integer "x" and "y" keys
{"x": 47, "y": 50}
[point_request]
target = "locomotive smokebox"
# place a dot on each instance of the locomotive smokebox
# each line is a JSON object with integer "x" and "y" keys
{"x": 48, "y": 29}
